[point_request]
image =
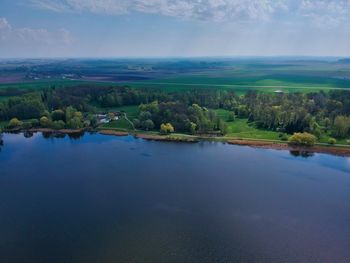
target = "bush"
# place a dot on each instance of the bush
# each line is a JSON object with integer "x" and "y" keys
{"x": 302, "y": 139}
{"x": 58, "y": 125}
{"x": 136, "y": 123}
{"x": 231, "y": 116}
{"x": 75, "y": 124}
{"x": 35, "y": 122}
{"x": 147, "y": 125}
{"x": 27, "y": 125}
{"x": 166, "y": 128}
{"x": 15, "y": 123}
{"x": 44, "y": 121}
{"x": 348, "y": 142}
{"x": 283, "y": 137}
{"x": 58, "y": 115}
{"x": 332, "y": 141}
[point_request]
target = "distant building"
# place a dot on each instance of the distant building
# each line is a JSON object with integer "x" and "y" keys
{"x": 105, "y": 118}
{"x": 279, "y": 91}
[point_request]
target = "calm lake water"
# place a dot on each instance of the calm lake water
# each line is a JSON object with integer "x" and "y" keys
{"x": 119, "y": 199}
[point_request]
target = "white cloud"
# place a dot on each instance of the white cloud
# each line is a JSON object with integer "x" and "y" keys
{"x": 218, "y": 10}
{"x": 326, "y": 13}
{"x": 27, "y": 35}
{"x": 320, "y": 12}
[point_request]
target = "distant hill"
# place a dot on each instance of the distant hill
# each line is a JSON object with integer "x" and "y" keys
{"x": 345, "y": 60}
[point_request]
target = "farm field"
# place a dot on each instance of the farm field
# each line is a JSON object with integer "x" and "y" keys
{"x": 241, "y": 75}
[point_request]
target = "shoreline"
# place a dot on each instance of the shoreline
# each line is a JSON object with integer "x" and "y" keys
{"x": 333, "y": 150}
{"x": 343, "y": 151}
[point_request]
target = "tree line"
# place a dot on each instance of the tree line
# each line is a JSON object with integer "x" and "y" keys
{"x": 187, "y": 111}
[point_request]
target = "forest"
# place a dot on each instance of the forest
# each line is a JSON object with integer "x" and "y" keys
{"x": 191, "y": 111}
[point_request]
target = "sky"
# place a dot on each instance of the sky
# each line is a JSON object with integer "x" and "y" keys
{"x": 174, "y": 28}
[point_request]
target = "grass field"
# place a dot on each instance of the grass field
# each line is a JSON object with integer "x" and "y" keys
{"x": 121, "y": 124}
{"x": 240, "y": 128}
{"x": 131, "y": 112}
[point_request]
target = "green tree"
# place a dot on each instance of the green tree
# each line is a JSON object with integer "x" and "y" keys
{"x": 332, "y": 141}
{"x": 111, "y": 116}
{"x": 44, "y": 121}
{"x": 223, "y": 127}
{"x": 302, "y": 139}
{"x": 193, "y": 128}
{"x": 341, "y": 126}
{"x": 148, "y": 125}
{"x": 166, "y": 128}
{"x": 70, "y": 111}
{"x": 58, "y": 115}
{"x": 93, "y": 120}
{"x": 75, "y": 123}
{"x": 58, "y": 125}
{"x": 15, "y": 123}
{"x": 231, "y": 116}
{"x": 136, "y": 123}
{"x": 327, "y": 124}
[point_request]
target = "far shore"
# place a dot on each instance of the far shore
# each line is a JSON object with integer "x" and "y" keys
{"x": 255, "y": 143}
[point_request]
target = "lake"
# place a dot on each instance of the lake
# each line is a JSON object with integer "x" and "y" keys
{"x": 119, "y": 199}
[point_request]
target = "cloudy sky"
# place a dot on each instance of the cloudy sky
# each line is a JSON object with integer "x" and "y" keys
{"x": 158, "y": 28}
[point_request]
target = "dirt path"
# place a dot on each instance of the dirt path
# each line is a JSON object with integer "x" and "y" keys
{"x": 132, "y": 124}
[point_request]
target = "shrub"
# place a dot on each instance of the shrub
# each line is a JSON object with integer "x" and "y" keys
{"x": 27, "y": 125}
{"x": 136, "y": 123}
{"x": 302, "y": 139}
{"x": 44, "y": 121}
{"x": 231, "y": 116}
{"x": 147, "y": 125}
{"x": 14, "y": 123}
{"x": 58, "y": 115}
{"x": 58, "y": 125}
{"x": 283, "y": 137}
{"x": 332, "y": 141}
{"x": 166, "y": 128}
{"x": 35, "y": 122}
{"x": 348, "y": 142}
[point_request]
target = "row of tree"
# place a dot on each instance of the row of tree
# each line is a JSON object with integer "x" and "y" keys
{"x": 170, "y": 116}
{"x": 187, "y": 111}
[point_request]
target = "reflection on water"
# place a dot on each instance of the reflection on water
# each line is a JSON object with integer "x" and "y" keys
{"x": 120, "y": 199}
{"x": 304, "y": 154}
{"x": 59, "y": 135}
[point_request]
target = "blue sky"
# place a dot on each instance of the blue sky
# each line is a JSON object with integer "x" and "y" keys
{"x": 161, "y": 28}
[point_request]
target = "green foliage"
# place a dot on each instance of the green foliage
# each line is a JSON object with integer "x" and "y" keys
{"x": 58, "y": 115}
{"x": 231, "y": 116}
{"x": 193, "y": 128}
{"x": 35, "y": 123}
{"x": 92, "y": 119}
{"x": 222, "y": 126}
{"x": 302, "y": 139}
{"x": 27, "y": 125}
{"x": 332, "y": 141}
{"x": 341, "y": 126}
{"x": 75, "y": 123}
{"x": 70, "y": 111}
{"x": 283, "y": 137}
{"x": 58, "y": 125}
{"x": 166, "y": 128}
{"x": 15, "y": 123}
{"x": 136, "y": 123}
{"x": 147, "y": 125}
{"x": 44, "y": 121}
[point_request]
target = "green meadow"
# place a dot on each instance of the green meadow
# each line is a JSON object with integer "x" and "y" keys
{"x": 240, "y": 128}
